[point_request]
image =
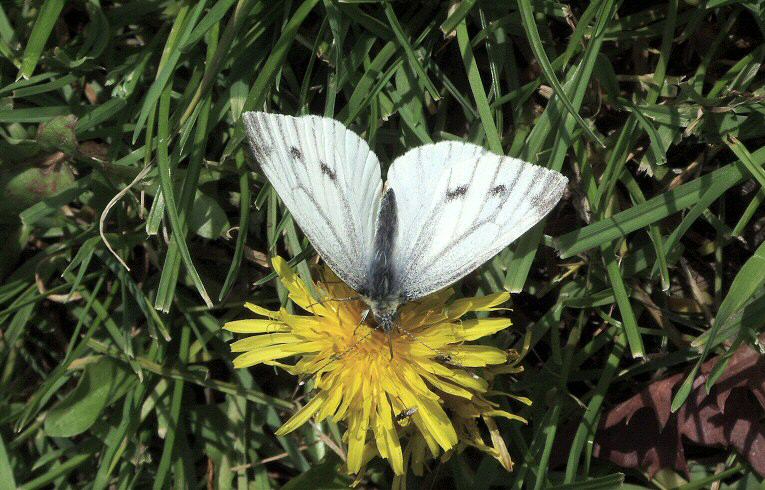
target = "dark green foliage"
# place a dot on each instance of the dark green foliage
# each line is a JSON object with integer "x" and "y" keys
{"x": 652, "y": 264}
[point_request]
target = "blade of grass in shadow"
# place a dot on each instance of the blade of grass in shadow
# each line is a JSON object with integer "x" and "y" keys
{"x": 743, "y": 154}
{"x": 586, "y": 430}
{"x": 747, "y": 281}
{"x": 525, "y": 249}
{"x": 411, "y": 57}
{"x": 476, "y": 86}
{"x": 629, "y": 320}
{"x": 166, "y": 184}
{"x": 457, "y": 16}
{"x": 530, "y": 26}
{"x": 173, "y": 416}
{"x": 61, "y": 470}
{"x": 172, "y": 264}
{"x": 185, "y": 21}
{"x": 618, "y": 158}
{"x": 6, "y": 470}
{"x": 550, "y": 429}
{"x": 44, "y": 23}
{"x": 653, "y": 230}
{"x": 654, "y": 209}
{"x": 214, "y": 64}
{"x": 245, "y": 203}
{"x": 261, "y": 87}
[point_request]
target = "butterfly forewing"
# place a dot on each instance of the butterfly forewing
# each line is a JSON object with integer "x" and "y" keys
{"x": 459, "y": 205}
{"x": 329, "y": 180}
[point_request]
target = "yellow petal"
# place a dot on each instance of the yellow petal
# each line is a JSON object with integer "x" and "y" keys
{"x": 265, "y": 340}
{"x": 386, "y": 437}
{"x": 357, "y": 434}
{"x": 472, "y": 382}
{"x": 478, "y": 303}
{"x": 413, "y": 382}
{"x": 412, "y": 400}
{"x": 503, "y": 456}
{"x": 507, "y": 415}
{"x": 274, "y": 352}
{"x": 478, "y": 355}
{"x": 522, "y": 399}
{"x": 299, "y": 292}
{"x": 334, "y": 396}
{"x": 447, "y": 387}
{"x": 255, "y": 326}
{"x": 352, "y": 388}
{"x": 437, "y": 423}
{"x": 261, "y": 311}
{"x": 307, "y": 325}
{"x": 477, "y": 328}
{"x": 302, "y": 415}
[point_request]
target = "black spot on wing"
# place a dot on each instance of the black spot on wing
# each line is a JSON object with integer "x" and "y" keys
{"x": 296, "y": 153}
{"x": 456, "y": 192}
{"x": 499, "y": 190}
{"x": 328, "y": 171}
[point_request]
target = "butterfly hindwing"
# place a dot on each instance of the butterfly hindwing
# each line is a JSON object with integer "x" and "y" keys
{"x": 329, "y": 180}
{"x": 459, "y": 205}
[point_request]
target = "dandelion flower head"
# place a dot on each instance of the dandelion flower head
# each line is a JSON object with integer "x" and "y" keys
{"x": 429, "y": 397}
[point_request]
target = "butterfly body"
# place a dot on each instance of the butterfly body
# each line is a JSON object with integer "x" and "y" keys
{"x": 382, "y": 291}
{"x": 445, "y": 209}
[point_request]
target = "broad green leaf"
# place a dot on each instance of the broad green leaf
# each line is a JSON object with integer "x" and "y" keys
{"x": 207, "y": 218}
{"x": 102, "y": 383}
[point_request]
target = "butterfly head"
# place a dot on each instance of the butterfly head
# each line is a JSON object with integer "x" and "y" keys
{"x": 385, "y": 311}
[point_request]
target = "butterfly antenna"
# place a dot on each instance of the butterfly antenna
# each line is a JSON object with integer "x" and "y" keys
{"x": 327, "y": 300}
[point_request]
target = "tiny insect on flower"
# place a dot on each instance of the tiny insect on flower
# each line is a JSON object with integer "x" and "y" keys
{"x": 384, "y": 400}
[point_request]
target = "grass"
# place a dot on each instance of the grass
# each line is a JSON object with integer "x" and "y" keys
{"x": 116, "y": 377}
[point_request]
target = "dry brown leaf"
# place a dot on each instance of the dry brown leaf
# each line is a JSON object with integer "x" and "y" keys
{"x": 643, "y": 433}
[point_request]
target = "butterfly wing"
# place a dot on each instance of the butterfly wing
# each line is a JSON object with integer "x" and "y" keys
{"x": 329, "y": 180}
{"x": 458, "y": 206}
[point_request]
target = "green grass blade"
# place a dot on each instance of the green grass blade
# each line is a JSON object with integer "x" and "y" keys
{"x": 245, "y": 202}
{"x": 530, "y": 27}
{"x": 653, "y": 210}
{"x": 457, "y": 16}
{"x": 171, "y": 269}
{"x": 173, "y": 417}
{"x": 476, "y": 86}
{"x": 411, "y": 57}
{"x": 166, "y": 184}
{"x": 44, "y": 23}
{"x": 525, "y": 250}
{"x": 6, "y": 470}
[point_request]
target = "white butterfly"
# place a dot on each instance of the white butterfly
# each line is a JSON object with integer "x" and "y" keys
{"x": 445, "y": 209}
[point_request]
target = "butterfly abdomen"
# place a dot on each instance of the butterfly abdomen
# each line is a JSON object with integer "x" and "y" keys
{"x": 383, "y": 286}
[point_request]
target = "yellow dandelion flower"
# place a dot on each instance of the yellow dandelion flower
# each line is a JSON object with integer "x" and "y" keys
{"x": 382, "y": 400}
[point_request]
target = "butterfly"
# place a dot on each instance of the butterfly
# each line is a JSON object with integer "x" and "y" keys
{"x": 444, "y": 210}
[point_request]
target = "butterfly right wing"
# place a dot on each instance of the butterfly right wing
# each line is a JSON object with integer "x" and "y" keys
{"x": 329, "y": 180}
{"x": 458, "y": 206}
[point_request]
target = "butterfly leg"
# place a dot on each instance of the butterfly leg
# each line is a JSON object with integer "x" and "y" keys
{"x": 364, "y": 316}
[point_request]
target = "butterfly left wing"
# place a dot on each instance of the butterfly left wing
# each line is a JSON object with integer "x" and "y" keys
{"x": 329, "y": 179}
{"x": 458, "y": 206}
